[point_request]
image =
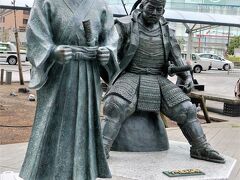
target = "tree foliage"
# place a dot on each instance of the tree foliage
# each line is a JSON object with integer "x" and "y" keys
{"x": 234, "y": 43}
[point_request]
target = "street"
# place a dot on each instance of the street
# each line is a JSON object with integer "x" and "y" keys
{"x": 217, "y": 81}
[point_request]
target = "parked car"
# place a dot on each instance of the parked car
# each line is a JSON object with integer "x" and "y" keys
{"x": 8, "y": 53}
{"x": 197, "y": 63}
{"x": 217, "y": 62}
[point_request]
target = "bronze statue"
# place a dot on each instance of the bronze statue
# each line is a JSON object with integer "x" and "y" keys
{"x": 66, "y": 141}
{"x": 146, "y": 48}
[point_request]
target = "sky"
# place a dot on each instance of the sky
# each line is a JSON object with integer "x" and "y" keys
{"x": 18, "y": 2}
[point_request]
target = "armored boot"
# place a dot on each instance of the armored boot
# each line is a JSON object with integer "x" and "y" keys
{"x": 110, "y": 131}
{"x": 115, "y": 111}
{"x": 193, "y": 132}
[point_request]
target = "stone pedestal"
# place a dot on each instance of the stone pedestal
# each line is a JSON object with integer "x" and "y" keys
{"x": 142, "y": 132}
{"x": 150, "y": 165}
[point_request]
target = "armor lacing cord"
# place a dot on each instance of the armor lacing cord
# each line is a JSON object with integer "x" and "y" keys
{"x": 194, "y": 134}
{"x": 107, "y": 141}
{"x": 141, "y": 70}
{"x": 200, "y": 142}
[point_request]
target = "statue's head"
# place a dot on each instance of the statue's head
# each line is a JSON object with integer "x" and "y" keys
{"x": 152, "y": 10}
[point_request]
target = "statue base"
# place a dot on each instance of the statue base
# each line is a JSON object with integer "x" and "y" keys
{"x": 150, "y": 165}
{"x": 142, "y": 132}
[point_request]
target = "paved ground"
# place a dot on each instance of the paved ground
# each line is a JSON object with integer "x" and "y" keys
{"x": 217, "y": 81}
{"x": 223, "y": 136}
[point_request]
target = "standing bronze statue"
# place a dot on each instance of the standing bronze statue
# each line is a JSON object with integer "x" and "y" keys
{"x": 146, "y": 47}
{"x": 66, "y": 141}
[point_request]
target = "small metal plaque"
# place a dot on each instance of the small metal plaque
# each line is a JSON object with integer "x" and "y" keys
{"x": 183, "y": 172}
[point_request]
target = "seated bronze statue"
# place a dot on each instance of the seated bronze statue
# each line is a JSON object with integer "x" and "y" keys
{"x": 146, "y": 48}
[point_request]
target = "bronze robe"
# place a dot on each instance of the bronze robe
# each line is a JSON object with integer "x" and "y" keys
{"x": 66, "y": 138}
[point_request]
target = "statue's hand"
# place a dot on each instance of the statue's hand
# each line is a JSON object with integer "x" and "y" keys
{"x": 187, "y": 84}
{"x": 63, "y": 54}
{"x": 103, "y": 55}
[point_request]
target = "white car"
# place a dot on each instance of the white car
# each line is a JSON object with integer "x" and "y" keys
{"x": 197, "y": 63}
{"x": 217, "y": 62}
{"x": 8, "y": 53}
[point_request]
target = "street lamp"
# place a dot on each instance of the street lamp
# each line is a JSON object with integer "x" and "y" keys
{"x": 17, "y": 45}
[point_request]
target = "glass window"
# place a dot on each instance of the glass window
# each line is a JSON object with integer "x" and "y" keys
{"x": 205, "y": 56}
{"x": 194, "y": 57}
{"x": 216, "y": 57}
{"x": 5, "y": 47}
{"x": 25, "y": 21}
{"x": 211, "y": 56}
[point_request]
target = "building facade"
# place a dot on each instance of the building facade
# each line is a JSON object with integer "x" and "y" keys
{"x": 7, "y": 25}
{"x": 229, "y": 7}
{"x": 215, "y": 38}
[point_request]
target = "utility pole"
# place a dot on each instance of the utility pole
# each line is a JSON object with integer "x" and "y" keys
{"x": 17, "y": 45}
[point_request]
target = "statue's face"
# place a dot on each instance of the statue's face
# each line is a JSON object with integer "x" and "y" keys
{"x": 152, "y": 13}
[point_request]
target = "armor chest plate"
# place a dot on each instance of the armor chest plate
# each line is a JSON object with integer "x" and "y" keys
{"x": 150, "y": 52}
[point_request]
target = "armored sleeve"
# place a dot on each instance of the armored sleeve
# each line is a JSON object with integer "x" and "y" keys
{"x": 175, "y": 54}
{"x": 123, "y": 30}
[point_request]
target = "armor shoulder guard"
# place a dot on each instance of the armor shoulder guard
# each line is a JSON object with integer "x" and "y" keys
{"x": 124, "y": 20}
{"x": 123, "y": 25}
{"x": 163, "y": 21}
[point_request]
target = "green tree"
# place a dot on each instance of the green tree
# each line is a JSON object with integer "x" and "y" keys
{"x": 181, "y": 42}
{"x": 234, "y": 43}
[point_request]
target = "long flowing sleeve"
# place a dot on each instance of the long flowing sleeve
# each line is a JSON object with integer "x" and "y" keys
{"x": 109, "y": 38}
{"x": 39, "y": 43}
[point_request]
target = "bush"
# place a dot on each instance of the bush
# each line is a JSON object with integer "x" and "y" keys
{"x": 233, "y": 58}
{"x": 234, "y": 43}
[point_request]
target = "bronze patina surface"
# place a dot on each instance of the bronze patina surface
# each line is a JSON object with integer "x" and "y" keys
{"x": 147, "y": 46}
{"x": 66, "y": 139}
